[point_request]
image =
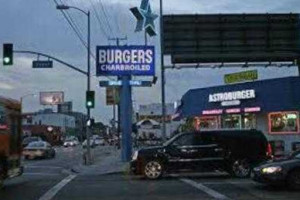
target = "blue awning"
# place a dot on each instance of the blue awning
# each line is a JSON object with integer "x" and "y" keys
{"x": 281, "y": 94}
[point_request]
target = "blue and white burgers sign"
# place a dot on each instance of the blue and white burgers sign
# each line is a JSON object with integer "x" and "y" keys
{"x": 125, "y": 60}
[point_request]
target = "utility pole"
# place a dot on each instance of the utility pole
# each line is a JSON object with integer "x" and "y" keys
{"x": 162, "y": 65}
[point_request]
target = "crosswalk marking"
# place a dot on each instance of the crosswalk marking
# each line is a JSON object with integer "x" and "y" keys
{"x": 205, "y": 189}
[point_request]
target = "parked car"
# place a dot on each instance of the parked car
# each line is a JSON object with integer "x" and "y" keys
{"x": 28, "y": 140}
{"x": 280, "y": 172}
{"x": 92, "y": 143}
{"x": 99, "y": 141}
{"x": 231, "y": 151}
{"x": 71, "y": 142}
{"x": 38, "y": 149}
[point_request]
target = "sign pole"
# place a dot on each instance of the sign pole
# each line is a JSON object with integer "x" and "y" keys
{"x": 126, "y": 119}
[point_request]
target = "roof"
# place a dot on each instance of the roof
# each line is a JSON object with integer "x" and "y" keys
{"x": 281, "y": 94}
{"x": 151, "y": 121}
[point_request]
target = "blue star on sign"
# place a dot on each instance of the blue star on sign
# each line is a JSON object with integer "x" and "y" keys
{"x": 145, "y": 18}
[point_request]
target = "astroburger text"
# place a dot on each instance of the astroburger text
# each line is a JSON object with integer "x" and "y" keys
{"x": 230, "y": 96}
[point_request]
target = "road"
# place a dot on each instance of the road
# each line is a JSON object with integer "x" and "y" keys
{"x": 51, "y": 179}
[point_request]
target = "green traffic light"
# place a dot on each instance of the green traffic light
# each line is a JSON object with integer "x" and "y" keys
{"x": 90, "y": 99}
{"x": 89, "y": 104}
{"x": 8, "y": 54}
{"x": 6, "y": 60}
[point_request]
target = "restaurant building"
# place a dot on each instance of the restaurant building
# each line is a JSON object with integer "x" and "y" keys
{"x": 271, "y": 106}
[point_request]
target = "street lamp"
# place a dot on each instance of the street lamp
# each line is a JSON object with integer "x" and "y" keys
{"x": 66, "y": 7}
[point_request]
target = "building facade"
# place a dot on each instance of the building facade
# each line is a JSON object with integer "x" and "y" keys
{"x": 149, "y": 120}
{"x": 271, "y": 106}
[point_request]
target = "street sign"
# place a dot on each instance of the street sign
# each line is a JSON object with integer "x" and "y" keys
{"x": 110, "y": 83}
{"x": 125, "y": 60}
{"x": 241, "y": 77}
{"x": 136, "y": 83}
{"x": 42, "y": 64}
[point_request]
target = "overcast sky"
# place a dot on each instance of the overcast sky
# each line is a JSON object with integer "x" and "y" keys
{"x": 36, "y": 25}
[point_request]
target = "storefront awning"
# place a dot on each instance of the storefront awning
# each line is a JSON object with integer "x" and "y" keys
{"x": 281, "y": 94}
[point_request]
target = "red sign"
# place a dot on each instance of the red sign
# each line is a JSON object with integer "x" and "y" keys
{"x": 253, "y": 109}
{"x": 3, "y": 127}
{"x": 212, "y": 112}
{"x": 233, "y": 110}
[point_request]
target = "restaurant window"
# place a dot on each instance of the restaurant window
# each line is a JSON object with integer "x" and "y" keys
{"x": 249, "y": 121}
{"x": 208, "y": 123}
{"x": 284, "y": 123}
{"x": 232, "y": 122}
{"x": 3, "y": 123}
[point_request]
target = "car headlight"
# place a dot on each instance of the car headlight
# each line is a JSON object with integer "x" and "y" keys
{"x": 135, "y": 155}
{"x": 271, "y": 170}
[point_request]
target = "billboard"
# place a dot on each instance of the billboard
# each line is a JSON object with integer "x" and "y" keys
{"x": 125, "y": 60}
{"x": 51, "y": 98}
{"x": 232, "y": 38}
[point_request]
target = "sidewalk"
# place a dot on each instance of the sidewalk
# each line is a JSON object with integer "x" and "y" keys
{"x": 106, "y": 160}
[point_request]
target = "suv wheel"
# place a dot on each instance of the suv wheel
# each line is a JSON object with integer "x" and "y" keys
{"x": 153, "y": 169}
{"x": 294, "y": 180}
{"x": 241, "y": 168}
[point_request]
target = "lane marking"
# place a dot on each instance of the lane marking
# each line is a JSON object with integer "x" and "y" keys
{"x": 45, "y": 167}
{"x": 40, "y": 174}
{"x": 205, "y": 189}
{"x": 53, "y": 191}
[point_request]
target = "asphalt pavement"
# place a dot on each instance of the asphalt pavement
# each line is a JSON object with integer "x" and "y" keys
{"x": 53, "y": 179}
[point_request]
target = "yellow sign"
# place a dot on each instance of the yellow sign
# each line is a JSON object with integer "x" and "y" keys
{"x": 241, "y": 77}
{"x": 112, "y": 95}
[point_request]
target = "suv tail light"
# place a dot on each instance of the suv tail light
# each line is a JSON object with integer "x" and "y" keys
{"x": 269, "y": 150}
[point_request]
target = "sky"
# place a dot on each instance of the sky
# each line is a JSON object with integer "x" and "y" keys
{"x": 36, "y": 25}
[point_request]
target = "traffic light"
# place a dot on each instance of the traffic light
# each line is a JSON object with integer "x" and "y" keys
{"x": 90, "y": 99}
{"x": 7, "y": 54}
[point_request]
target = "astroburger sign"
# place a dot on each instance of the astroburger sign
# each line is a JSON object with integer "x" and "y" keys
{"x": 232, "y": 96}
{"x": 125, "y": 60}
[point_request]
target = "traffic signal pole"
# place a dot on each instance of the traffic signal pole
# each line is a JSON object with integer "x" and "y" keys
{"x": 89, "y": 159}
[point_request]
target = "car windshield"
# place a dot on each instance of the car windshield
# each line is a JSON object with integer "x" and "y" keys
{"x": 296, "y": 155}
{"x": 36, "y": 144}
{"x": 30, "y": 139}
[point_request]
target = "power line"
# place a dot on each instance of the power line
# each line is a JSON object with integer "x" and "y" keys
{"x": 72, "y": 26}
{"x": 117, "y": 21}
{"x": 105, "y": 16}
{"x": 79, "y": 30}
{"x": 77, "y": 33}
{"x": 99, "y": 20}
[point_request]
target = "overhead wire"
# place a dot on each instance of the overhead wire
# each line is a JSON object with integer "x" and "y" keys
{"x": 101, "y": 24}
{"x": 105, "y": 16}
{"x": 71, "y": 22}
{"x": 117, "y": 21}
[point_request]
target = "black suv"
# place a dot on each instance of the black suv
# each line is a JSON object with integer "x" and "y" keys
{"x": 236, "y": 152}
